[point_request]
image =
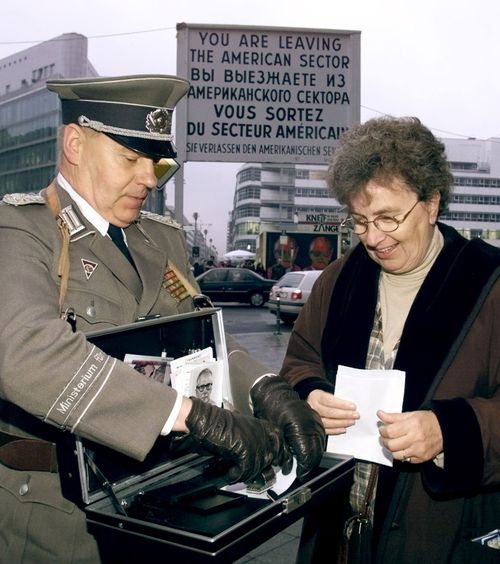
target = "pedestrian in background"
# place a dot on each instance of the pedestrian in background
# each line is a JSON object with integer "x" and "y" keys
{"x": 413, "y": 295}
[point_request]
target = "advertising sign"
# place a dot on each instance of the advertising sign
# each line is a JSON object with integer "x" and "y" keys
{"x": 300, "y": 251}
{"x": 281, "y": 95}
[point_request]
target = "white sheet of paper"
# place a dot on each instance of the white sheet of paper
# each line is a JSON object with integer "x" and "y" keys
{"x": 370, "y": 390}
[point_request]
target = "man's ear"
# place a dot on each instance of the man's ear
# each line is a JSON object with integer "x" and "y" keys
{"x": 72, "y": 143}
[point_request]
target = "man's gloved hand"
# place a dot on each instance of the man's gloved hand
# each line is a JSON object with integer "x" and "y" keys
{"x": 251, "y": 444}
{"x": 274, "y": 399}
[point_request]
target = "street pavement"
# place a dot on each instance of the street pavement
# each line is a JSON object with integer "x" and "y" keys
{"x": 270, "y": 348}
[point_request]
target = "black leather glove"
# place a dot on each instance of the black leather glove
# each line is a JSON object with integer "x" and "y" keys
{"x": 275, "y": 400}
{"x": 249, "y": 443}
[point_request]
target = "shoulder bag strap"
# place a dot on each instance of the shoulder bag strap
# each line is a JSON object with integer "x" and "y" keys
{"x": 63, "y": 267}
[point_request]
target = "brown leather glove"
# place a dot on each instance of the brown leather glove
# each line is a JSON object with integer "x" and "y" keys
{"x": 275, "y": 400}
{"x": 249, "y": 443}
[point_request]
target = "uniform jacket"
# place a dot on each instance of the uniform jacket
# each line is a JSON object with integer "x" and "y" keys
{"x": 450, "y": 352}
{"x": 55, "y": 374}
{"x": 52, "y": 378}
{"x": 44, "y": 363}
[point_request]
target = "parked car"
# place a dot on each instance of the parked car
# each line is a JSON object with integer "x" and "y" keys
{"x": 291, "y": 292}
{"x": 235, "y": 285}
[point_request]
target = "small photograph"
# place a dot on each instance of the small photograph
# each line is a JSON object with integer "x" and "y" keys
{"x": 199, "y": 375}
{"x": 204, "y": 382}
{"x": 155, "y": 367}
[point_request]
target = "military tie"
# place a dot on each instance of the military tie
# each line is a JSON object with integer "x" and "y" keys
{"x": 116, "y": 235}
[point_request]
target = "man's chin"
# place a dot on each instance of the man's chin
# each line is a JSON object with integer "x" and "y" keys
{"x": 128, "y": 217}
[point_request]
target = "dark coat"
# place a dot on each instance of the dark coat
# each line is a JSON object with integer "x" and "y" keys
{"x": 449, "y": 351}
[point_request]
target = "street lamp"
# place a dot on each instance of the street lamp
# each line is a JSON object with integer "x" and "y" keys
{"x": 195, "y": 216}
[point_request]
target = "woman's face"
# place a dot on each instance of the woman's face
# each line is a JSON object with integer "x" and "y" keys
{"x": 402, "y": 250}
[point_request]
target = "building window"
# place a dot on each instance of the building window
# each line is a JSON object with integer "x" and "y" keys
{"x": 473, "y": 199}
{"x": 471, "y": 216}
{"x": 247, "y": 211}
{"x": 479, "y": 182}
{"x": 312, "y": 192}
{"x": 454, "y": 165}
{"x": 249, "y": 193}
{"x": 247, "y": 228}
{"x": 249, "y": 174}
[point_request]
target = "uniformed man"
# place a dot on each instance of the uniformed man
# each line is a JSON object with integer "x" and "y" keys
{"x": 62, "y": 276}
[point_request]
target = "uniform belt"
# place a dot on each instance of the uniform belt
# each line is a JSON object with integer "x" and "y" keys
{"x": 22, "y": 453}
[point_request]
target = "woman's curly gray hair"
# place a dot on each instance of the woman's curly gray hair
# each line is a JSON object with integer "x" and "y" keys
{"x": 384, "y": 148}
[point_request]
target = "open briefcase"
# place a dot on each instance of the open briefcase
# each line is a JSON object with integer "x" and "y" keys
{"x": 172, "y": 506}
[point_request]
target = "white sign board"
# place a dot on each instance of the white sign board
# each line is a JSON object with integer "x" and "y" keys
{"x": 281, "y": 95}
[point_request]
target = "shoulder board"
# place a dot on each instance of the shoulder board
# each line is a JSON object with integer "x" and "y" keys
{"x": 160, "y": 219}
{"x": 23, "y": 199}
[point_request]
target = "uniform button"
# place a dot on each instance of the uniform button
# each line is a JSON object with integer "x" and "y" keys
{"x": 394, "y": 526}
{"x": 24, "y": 489}
{"x": 91, "y": 312}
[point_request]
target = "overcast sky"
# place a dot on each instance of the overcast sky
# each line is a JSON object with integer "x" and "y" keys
{"x": 435, "y": 59}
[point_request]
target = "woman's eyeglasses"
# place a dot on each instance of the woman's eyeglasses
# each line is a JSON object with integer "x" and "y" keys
{"x": 384, "y": 223}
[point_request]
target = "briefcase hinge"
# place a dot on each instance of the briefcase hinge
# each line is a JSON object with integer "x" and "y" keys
{"x": 296, "y": 500}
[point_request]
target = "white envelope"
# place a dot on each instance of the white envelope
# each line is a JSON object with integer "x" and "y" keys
{"x": 370, "y": 390}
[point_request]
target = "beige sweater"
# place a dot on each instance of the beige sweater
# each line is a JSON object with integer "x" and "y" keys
{"x": 397, "y": 292}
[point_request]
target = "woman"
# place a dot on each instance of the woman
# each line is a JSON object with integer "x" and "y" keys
{"x": 415, "y": 296}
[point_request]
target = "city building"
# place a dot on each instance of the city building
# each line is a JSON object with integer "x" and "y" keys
{"x": 30, "y": 115}
{"x": 292, "y": 200}
{"x": 287, "y": 205}
{"x": 475, "y": 206}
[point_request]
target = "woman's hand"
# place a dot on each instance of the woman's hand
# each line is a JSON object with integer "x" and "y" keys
{"x": 336, "y": 414}
{"x": 413, "y": 436}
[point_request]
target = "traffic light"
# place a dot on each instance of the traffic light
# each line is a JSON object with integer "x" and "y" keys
{"x": 195, "y": 252}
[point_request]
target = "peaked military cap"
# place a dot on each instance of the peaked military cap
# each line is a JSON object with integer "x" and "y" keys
{"x": 136, "y": 111}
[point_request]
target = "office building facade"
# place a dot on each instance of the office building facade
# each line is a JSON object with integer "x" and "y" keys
{"x": 474, "y": 209}
{"x": 30, "y": 115}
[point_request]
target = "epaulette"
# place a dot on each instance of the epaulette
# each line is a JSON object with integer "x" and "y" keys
{"x": 23, "y": 199}
{"x": 161, "y": 219}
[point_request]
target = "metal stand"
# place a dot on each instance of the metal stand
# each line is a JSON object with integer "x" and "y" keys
{"x": 278, "y": 318}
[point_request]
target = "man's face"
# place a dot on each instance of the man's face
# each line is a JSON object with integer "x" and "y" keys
{"x": 320, "y": 253}
{"x": 287, "y": 253}
{"x": 204, "y": 386}
{"x": 113, "y": 179}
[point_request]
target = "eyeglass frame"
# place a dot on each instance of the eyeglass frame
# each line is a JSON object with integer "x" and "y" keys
{"x": 374, "y": 221}
{"x": 204, "y": 387}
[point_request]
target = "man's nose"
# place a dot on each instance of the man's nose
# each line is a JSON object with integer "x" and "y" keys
{"x": 147, "y": 174}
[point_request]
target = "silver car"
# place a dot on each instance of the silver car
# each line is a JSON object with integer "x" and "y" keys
{"x": 290, "y": 293}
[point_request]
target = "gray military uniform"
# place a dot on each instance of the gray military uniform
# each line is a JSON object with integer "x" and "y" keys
{"x": 52, "y": 375}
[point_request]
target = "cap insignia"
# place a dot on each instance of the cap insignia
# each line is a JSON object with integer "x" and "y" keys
{"x": 159, "y": 121}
